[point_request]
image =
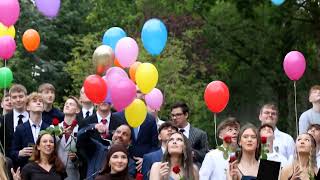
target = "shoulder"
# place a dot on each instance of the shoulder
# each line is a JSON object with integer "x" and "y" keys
{"x": 156, "y": 165}
{"x": 197, "y": 130}
{"x": 29, "y": 167}
{"x": 284, "y": 135}
{"x": 286, "y": 171}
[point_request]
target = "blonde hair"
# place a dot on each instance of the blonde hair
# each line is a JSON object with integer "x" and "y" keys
{"x": 33, "y": 96}
{"x": 3, "y": 172}
{"x": 46, "y": 86}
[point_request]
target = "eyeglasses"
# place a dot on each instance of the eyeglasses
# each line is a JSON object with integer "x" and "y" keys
{"x": 176, "y": 115}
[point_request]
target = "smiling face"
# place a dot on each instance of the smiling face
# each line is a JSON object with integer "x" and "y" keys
{"x": 268, "y": 115}
{"x": 122, "y": 135}
{"x": 18, "y": 100}
{"x": 176, "y": 144}
{"x": 6, "y": 104}
{"x": 118, "y": 162}
{"x": 46, "y": 145}
{"x": 249, "y": 140}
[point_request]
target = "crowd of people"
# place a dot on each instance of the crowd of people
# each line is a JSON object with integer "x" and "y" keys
{"x": 91, "y": 141}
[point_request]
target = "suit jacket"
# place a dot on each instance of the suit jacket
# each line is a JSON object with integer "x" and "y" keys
{"x": 199, "y": 143}
{"x": 6, "y": 132}
{"x": 21, "y": 139}
{"x": 47, "y": 117}
{"x": 148, "y": 160}
{"x": 147, "y": 140}
{"x": 81, "y": 120}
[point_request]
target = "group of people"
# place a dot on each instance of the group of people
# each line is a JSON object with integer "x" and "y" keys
{"x": 90, "y": 141}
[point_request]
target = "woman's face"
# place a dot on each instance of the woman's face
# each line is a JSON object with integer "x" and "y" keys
{"x": 175, "y": 144}
{"x": 46, "y": 145}
{"x": 248, "y": 140}
{"x": 118, "y": 162}
{"x": 304, "y": 143}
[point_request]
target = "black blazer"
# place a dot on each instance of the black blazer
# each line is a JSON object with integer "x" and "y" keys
{"x": 199, "y": 142}
{"x": 81, "y": 120}
{"x": 7, "y": 128}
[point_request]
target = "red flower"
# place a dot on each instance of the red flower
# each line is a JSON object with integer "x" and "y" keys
{"x": 139, "y": 176}
{"x": 263, "y": 139}
{"x": 74, "y": 123}
{"x": 55, "y": 121}
{"x": 232, "y": 158}
{"x": 176, "y": 169}
{"x": 227, "y": 139}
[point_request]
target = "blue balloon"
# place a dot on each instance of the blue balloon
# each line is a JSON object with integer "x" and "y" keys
{"x": 277, "y": 2}
{"x": 112, "y": 36}
{"x": 154, "y": 36}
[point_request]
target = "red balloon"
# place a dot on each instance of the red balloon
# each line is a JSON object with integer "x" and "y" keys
{"x": 95, "y": 88}
{"x": 216, "y": 96}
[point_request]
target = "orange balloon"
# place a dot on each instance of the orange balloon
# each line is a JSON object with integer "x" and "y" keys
{"x": 116, "y": 63}
{"x": 133, "y": 69}
{"x": 31, "y": 40}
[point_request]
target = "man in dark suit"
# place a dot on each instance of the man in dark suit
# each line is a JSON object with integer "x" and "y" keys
{"x": 87, "y": 108}
{"x": 19, "y": 115}
{"x": 6, "y": 103}
{"x": 165, "y": 131}
{"x": 26, "y": 134}
{"x": 197, "y": 138}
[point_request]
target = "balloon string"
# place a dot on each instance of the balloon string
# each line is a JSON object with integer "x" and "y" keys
{"x": 4, "y": 117}
{"x": 295, "y": 106}
{"x": 215, "y": 128}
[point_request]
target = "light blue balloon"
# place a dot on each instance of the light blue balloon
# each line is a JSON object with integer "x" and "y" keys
{"x": 112, "y": 36}
{"x": 277, "y": 2}
{"x": 154, "y": 36}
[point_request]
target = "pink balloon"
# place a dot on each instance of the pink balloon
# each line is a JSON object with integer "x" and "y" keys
{"x": 9, "y": 12}
{"x": 7, "y": 47}
{"x": 114, "y": 75}
{"x": 294, "y": 65}
{"x": 122, "y": 94}
{"x": 127, "y": 51}
{"x": 154, "y": 99}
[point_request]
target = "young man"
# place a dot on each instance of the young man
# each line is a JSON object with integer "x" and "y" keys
{"x": 311, "y": 116}
{"x": 6, "y": 104}
{"x": 19, "y": 115}
{"x": 155, "y": 114}
{"x": 87, "y": 107}
{"x": 165, "y": 130}
{"x": 283, "y": 143}
{"x": 26, "y": 134}
{"x": 48, "y": 94}
{"x": 314, "y": 130}
{"x": 216, "y": 162}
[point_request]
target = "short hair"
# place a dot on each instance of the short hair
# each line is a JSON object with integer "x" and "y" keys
{"x": 32, "y": 96}
{"x": 317, "y": 126}
{"x": 46, "y": 86}
{"x": 76, "y": 100}
{"x": 5, "y": 94}
{"x": 270, "y": 105}
{"x": 182, "y": 105}
{"x": 229, "y": 121}
{"x": 266, "y": 125}
{"x": 166, "y": 125}
{"x": 18, "y": 88}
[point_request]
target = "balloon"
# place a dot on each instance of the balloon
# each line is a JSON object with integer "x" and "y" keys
{"x": 216, "y": 96}
{"x": 114, "y": 75}
{"x": 116, "y": 63}
{"x": 7, "y": 47}
{"x": 154, "y": 99}
{"x": 277, "y": 2}
{"x": 31, "y": 40}
{"x": 127, "y": 51}
{"x": 136, "y": 113}
{"x": 95, "y": 88}
{"x": 146, "y": 77}
{"x": 6, "y": 77}
{"x": 294, "y": 65}
{"x": 154, "y": 36}
{"x": 132, "y": 70}
{"x": 112, "y": 36}
{"x": 122, "y": 93}
{"x": 102, "y": 58}
{"x": 9, "y": 12}
{"x": 48, "y": 8}
{"x": 7, "y": 31}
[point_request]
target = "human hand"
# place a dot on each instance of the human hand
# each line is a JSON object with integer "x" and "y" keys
{"x": 234, "y": 171}
{"x": 139, "y": 161}
{"x": 296, "y": 173}
{"x": 27, "y": 151}
{"x": 16, "y": 175}
{"x": 164, "y": 170}
{"x": 72, "y": 155}
{"x": 101, "y": 128}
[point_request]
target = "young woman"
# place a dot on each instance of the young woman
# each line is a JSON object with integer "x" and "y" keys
{"x": 45, "y": 164}
{"x": 247, "y": 165}
{"x": 116, "y": 166}
{"x": 177, "y": 161}
{"x": 304, "y": 165}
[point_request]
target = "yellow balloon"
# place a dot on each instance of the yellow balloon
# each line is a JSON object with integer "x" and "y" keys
{"x": 7, "y": 31}
{"x": 136, "y": 113}
{"x": 146, "y": 77}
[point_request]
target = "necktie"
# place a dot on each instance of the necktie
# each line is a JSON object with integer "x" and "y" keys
{"x": 87, "y": 114}
{"x": 104, "y": 135}
{"x": 182, "y": 130}
{"x": 67, "y": 134}
{"x": 35, "y": 135}
{"x": 20, "y": 119}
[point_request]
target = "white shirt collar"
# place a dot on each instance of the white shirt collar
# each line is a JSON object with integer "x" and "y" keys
{"x": 84, "y": 111}
{"x": 16, "y": 118}
{"x": 100, "y": 118}
{"x": 31, "y": 123}
{"x": 186, "y": 130}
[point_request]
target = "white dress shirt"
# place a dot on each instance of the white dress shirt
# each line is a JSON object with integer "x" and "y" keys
{"x": 107, "y": 118}
{"x": 283, "y": 143}
{"x": 307, "y": 118}
{"x": 214, "y": 166}
{"x": 186, "y": 130}
{"x": 35, "y": 129}
{"x": 318, "y": 159}
{"x": 84, "y": 111}
{"x": 274, "y": 156}
{"x": 16, "y": 118}
{"x": 159, "y": 122}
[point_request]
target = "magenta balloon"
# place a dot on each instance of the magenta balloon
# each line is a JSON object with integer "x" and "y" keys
{"x": 9, "y": 12}
{"x": 122, "y": 94}
{"x": 114, "y": 75}
{"x": 127, "y": 51}
{"x": 294, "y": 65}
{"x": 154, "y": 99}
{"x": 48, "y": 8}
{"x": 7, "y": 47}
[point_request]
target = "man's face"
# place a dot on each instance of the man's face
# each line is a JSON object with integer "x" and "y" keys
{"x": 165, "y": 133}
{"x": 6, "y": 104}
{"x": 70, "y": 107}
{"x": 18, "y": 100}
{"x": 315, "y": 132}
{"x": 139, "y": 94}
{"x": 83, "y": 97}
{"x": 153, "y": 112}
{"x": 268, "y": 116}
{"x": 178, "y": 118}
{"x": 231, "y": 131}
{"x": 48, "y": 96}
{"x": 314, "y": 96}
{"x": 104, "y": 107}
{"x": 35, "y": 105}
{"x": 122, "y": 135}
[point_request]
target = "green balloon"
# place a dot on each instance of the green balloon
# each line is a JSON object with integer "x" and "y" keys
{"x": 6, "y": 77}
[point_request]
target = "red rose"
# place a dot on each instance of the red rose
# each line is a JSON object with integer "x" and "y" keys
{"x": 55, "y": 121}
{"x": 227, "y": 139}
{"x": 74, "y": 123}
{"x": 139, "y": 176}
{"x": 176, "y": 169}
{"x": 263, "y": 139}
{"x": 232, "y": 158}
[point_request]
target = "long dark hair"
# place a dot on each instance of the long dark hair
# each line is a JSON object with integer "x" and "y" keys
{"x": 53, "y": 159}
{"x": 186, "y": 158}
{"x": 255, "y": 130}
